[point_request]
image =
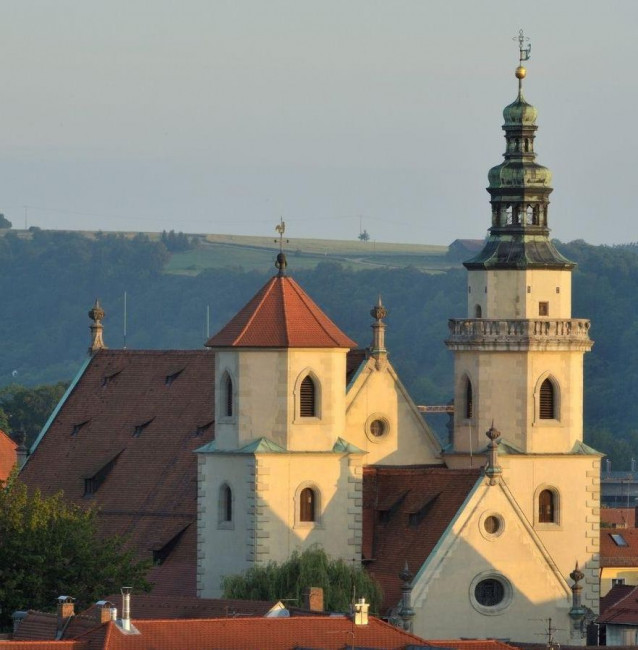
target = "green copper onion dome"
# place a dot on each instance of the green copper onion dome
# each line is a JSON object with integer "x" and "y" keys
{"x": 519, "y": 188}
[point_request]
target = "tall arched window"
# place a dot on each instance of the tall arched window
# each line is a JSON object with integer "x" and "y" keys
{"x": 307, "y": 505}
{"x": 225, "y": 504}
{"x": 228, "y": 395}
{"x": 547, "y": 403}
{"x": 307, "y": 398}
{"x": 546, "y": 507}
{"x": 478, "y": 312}
{"x": 469, "y": 399}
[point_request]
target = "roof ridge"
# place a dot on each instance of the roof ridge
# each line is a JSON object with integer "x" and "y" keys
{"x": 311, "y": 305}
{"x": 267, "y": 290}
{"x": 283, "y": 306}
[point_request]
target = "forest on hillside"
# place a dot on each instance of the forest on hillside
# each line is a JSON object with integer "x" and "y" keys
{"x": 50, "y": 280}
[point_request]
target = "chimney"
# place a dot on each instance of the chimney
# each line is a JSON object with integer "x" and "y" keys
{"x": 361, "y": 612}
{"x": 65, "y": 611}
{"x": 313, "y": 599}
{"x": 126, "y": 608}
{"x": 105, "y": 611}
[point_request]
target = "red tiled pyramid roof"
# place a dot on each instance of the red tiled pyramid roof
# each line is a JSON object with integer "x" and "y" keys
{"x": 281, "y": 315}
{"x": 405, "y": 512}
{"x": 7, "y": 455}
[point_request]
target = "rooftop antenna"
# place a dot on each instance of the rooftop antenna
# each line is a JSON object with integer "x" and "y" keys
{"x": 125, "y": 320}
{"x": 207, "y": 322}
{"x": 551, "y": 644}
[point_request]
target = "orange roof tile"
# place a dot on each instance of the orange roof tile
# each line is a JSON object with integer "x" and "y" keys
{"x": 624, "y": 607}
{"x": 249, "y": 633}
{"x": 43, "y": 645}
{"x": 7, "y": 455}
{"x": 611, "y": 554}
{"x": 281, "y": 315}
{"x": 406, "y": 510}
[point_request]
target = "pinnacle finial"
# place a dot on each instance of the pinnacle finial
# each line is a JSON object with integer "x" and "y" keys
{"x": 524, "y": 53}
{"x": 96, "y": 314}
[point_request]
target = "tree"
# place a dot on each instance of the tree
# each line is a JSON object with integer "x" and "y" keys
{"x": 364, "y": 236}
{"x": 49, "y": 547}
{"x": 312, "y": 568}
{"x": 4, "y": 222}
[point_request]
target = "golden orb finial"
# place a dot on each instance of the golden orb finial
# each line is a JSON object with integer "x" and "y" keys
{"x": 520, "y": 72}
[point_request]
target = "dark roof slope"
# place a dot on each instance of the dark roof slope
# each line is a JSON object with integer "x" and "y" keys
{"x": 405, "y": 512}
{"x": 623, "y": 611}
{"x": 281, "y": 315}
{"x": 126, "y": 432}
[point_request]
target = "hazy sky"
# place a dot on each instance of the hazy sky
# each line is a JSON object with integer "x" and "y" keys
{"x": 223, "y": 115}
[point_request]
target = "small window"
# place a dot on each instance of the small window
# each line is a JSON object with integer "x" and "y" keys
{"x": 225, "y": 504}
{"x": 172, "y": 377}
{"x": 478, "y": 312}
{"x": 78, "y": 427}
{"x": 307, "y": 505}
{"x": 617, "y": 581}
{"x": 547, "y": 408}
{"x": 619, "y": 540}
{"x": 557, "y": 289}
{"x": 543, "y": 309}
{"x": 137, "y": 430}
{"x": 469, "y": 399}
{"x": 307, "y": 398}
{"x": 228, "y": 395}
{"x": 378, "y": 428}
{"x": 546, "y": 507}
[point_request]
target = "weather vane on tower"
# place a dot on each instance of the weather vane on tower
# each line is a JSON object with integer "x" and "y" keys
{"x": 281, "y": 258}
{"x": 524, "y": 53}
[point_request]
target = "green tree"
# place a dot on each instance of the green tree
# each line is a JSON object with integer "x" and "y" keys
{"x": 364, "y": 236}
{"x": 4, "y": 222}
{"x": 340, "y": 580}
{"x": 49, "y": 547}
{"x": 29, "y": 408}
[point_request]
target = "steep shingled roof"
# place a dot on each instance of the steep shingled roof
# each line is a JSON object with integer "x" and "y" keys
{"x": 281, "y": 315}
{"x": 127, "y": 431}
{"x": 406, "y": 510}
{"x": 7, "y": 455}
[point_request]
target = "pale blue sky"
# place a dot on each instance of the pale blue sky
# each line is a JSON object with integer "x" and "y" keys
{"x": 223, "y": 115}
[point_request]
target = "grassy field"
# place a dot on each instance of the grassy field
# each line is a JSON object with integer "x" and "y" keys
{"x": 258, "y": 253}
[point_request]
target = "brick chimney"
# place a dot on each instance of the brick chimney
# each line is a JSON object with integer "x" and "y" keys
{"x": 105, "y": 611}
{"x": 313, "y": 599}
{"x": 65, "y": 612}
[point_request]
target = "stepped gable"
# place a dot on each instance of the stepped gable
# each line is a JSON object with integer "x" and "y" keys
{"x": 8, "y": 455}
{"x": 406, "y": 510}
{"x": 281, "y": 315}
{"x": 123, "y": 440}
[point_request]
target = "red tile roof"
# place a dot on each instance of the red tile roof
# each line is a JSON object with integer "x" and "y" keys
{"x": 152, "y": 606}
{"x": 611, "y": 554}
{"x": 250, "y": 633}
{"x": 281, "y": 315}
{"x": 7, "y": 455}
{"x": 624, "y": 611}
{"x": 613, "y": 596}
{"x": 43, "y": 645}
{"x": 620, "y": 517}
{"x": 36, "y": 626}
{"x": 405, "y": 512}
{"x": 149, "y": 493}
{"x": 486, "y": 644}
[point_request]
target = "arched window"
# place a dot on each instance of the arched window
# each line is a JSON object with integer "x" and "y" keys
{"x": 227, "y": 405}
{"x": 547, "y": 403}
{"x": 307, "y": 398}
{"x": 478, "y": 312}
{"x": 469, "y": 399}
{"x": 225, "y": 504}
{"x": 546, "y": 507}
{"x": 307, "y": 505}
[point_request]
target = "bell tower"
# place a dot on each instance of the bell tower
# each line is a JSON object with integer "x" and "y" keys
{"x": 519, "y": 353}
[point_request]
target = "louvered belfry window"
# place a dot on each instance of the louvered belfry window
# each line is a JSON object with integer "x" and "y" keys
{"x": 307, "y": 398}
{"x": 547, "y": 401}
{"x": 469, "y": 399}
{"x": 546, "y": 507}
{"x": 307, "y": 505}
{"x": 228, "y": 389}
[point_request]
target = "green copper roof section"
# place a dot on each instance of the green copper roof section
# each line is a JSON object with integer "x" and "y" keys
{"x": 519, "y": 188}
{"x": 258, "y": 446}
{"x": 580, "y": 448}
{"x": 343, "y": 446}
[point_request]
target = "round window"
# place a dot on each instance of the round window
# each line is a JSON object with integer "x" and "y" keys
{"x": 489, "y": 593}
{"x": 492, "y": 525}
{"x": 377, "y": 428}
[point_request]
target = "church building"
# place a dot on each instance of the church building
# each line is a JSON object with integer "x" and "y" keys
{"x": 282, "y": 434}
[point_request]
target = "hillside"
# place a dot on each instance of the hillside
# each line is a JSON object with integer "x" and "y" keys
{"x": 50, "y": 279}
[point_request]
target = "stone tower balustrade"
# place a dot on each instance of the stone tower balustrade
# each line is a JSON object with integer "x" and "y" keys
{"x": 515, "y": 333}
